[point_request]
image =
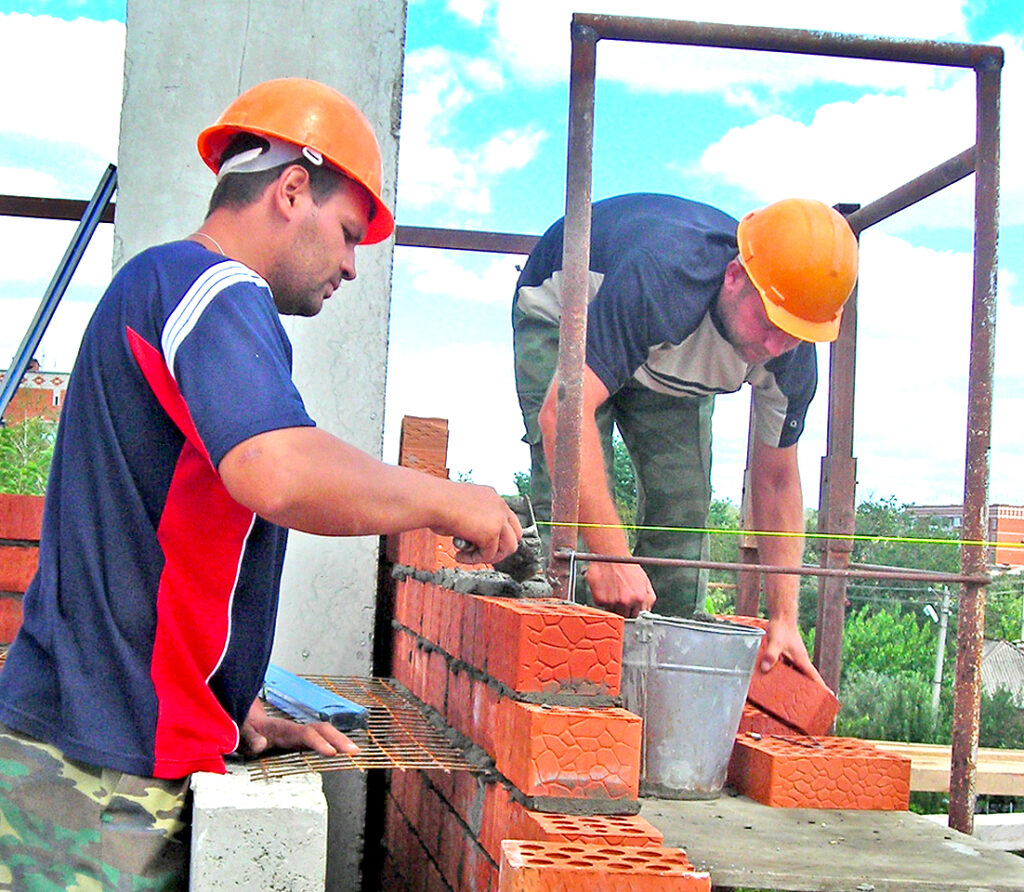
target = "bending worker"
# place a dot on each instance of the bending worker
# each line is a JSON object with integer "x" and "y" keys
{"x": 183, "y": 455}
{"x": 686, "y": 303}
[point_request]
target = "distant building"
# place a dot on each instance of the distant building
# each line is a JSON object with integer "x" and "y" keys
{"x": 40, "y": 395}
{"x": 1005, "y": 528}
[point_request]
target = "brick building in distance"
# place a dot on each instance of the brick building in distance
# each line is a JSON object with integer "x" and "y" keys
{"x": 1005, "y": 529}
{"x": 40, "y": 395}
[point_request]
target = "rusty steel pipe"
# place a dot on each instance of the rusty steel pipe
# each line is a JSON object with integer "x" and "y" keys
{"x": 805, "y": 570}
{"x": 938, "y": 178}
{"x": 464, "y": 240}
{"x": 971, "y": 613}
{"x": 572, "y": 332}
{"x": 789, "y": 40}
{"x": 49, "y": 208}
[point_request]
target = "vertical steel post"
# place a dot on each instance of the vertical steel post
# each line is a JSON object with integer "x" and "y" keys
{"x": 836, "y": 497}
{"x": 572, "y": 332}
{"x": 971, "y": 614}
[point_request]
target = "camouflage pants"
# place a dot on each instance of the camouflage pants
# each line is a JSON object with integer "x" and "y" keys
{"x": 66, "y": 825}
{"x": 669, "y": 442}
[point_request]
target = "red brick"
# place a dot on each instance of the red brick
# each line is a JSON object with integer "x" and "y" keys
{"x": 609, "y": 830}
{"x": 445, "y": 556}
{"x": 402, "y": 655}
{"x": 569, "y": 752}
{"x": 830, "y": 772}
{"x": 10, "y": 618}
{"x": 790, "y": 696}
{"x": 498, "y": 805}
{"x": 423, "y": 444}
{"x": 483, "y": 721}
{"x": 17, "y": 567}
{"x": 557, "y": 867}
{"x": 21, "y": 517}
{"x": 757, "y": 721}
{"x": 550, "y": 646}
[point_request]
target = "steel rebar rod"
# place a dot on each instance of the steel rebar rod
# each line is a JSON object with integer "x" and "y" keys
{"x": 804, "y": 570}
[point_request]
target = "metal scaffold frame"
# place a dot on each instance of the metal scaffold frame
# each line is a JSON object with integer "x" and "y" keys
{"x": 837, "y": 506}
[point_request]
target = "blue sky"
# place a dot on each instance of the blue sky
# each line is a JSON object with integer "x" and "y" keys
{"x": 483, "y": 145}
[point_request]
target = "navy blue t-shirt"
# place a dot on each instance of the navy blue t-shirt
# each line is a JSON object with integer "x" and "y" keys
{"x": 657, "y": 263}
{"x": 148, "y": 626}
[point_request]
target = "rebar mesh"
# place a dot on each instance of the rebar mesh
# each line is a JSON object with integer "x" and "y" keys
{"x": 398, "y": 735}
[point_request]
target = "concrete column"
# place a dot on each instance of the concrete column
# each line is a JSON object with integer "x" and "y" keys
{"x": 183, "y": 64}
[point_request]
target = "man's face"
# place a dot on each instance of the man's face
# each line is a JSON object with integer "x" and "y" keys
{"x": 321, "y": 252}
{"x": 746, "y": 323}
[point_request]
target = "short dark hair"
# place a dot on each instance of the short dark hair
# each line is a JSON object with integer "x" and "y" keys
{"x": 238, "y": 190}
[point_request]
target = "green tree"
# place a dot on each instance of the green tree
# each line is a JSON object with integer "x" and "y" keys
{"x": 26, "y": 449}
{"x": 888, "y": 642}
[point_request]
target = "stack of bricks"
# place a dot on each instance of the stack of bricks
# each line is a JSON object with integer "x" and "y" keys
{"x": 532, "y": 683}
{"x": 21, "y": 521}
{"x": 784, "y": 755}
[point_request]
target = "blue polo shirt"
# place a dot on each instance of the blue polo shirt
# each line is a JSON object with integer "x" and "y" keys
{"x": 149, "y": 624}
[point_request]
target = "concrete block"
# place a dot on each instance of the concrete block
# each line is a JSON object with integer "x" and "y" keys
{"x": 248, "y": 834}
{"x": 831, "y": 772}
{"x": 558, "y": 867}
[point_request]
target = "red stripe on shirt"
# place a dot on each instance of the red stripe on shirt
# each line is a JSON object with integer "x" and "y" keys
{"x": 202, "y": 533}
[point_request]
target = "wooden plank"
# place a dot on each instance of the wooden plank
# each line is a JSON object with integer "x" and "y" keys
{"x": 1000, "y": 772}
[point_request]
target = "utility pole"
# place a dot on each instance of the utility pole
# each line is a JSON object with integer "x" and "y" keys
{"x": 940, "y": 650}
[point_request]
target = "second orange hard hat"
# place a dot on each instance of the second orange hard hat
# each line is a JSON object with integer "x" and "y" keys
{"x": 801, "y": 255}
{"x": 306, "y": 113}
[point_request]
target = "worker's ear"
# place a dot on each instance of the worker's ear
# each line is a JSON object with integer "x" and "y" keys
{"x": 735, "y": 274}
{"x": 290, "y": 190}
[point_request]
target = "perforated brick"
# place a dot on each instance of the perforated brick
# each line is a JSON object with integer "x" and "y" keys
{"x": 558, "y": 867}
{"x": 608, "y": 830}
{"x": 828, "y": 772}
{"x": 567, "y": 752}
{"x": 757, "y": 721}
{"x": 21, "y": 517}
{"x": 786, "y": 693}
{"x": 549, "y": 646}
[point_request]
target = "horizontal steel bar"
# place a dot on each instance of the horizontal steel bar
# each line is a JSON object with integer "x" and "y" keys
{"x": 938, "y": 178}
{"x": 465, "y": 240}
{"x": 405, "y": 236}
{"x": 49, "y": 208}
{"x": 791, "y": 40}
{"x": 903, "y": 575}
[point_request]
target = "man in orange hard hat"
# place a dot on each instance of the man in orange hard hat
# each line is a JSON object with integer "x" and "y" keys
{"x": 184, "y": 455}
{"x": 686, "y": 303}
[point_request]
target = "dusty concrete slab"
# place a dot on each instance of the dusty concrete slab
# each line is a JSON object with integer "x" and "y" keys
{"x": 744, "y": 844}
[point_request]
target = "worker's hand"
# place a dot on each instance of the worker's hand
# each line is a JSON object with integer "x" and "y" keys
{"x": 262, "y": 732}
{"x": 620, "y": 588}
{"x": 783, "y": 639}
{"x": 480, "y": 517}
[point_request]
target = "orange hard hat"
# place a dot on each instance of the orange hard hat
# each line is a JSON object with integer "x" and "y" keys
{"x": 306, "y": 113}
{"x": 801, "y": 255}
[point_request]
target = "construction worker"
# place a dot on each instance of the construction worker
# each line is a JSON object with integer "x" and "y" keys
{"x": 184, "y": 453}
{"x": 686, "y": 303}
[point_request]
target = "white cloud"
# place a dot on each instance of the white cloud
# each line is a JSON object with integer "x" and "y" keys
{"x": 439, "y": 166}
{"x": 26, "y": 181}
{"x": 533, "y": 35}
{"x": 439, "y": 273}
{"x": 859, "y": 151}
{"x": 62, "y": 81}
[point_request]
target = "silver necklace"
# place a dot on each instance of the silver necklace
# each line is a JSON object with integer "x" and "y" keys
{"x": 214, "y": 241}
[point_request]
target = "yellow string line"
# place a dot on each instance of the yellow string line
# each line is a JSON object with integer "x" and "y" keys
{"x": 852, "y": 537}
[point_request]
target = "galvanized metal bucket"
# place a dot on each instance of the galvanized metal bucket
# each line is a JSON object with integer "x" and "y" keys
{"x": 688, "y": 679}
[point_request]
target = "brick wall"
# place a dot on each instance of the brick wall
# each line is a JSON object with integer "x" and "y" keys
{"x": 532, "y": 684}
{"x": 21, "y": 520}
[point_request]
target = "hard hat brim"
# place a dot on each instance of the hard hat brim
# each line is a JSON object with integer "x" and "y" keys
{"x": 815, "y": 332}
